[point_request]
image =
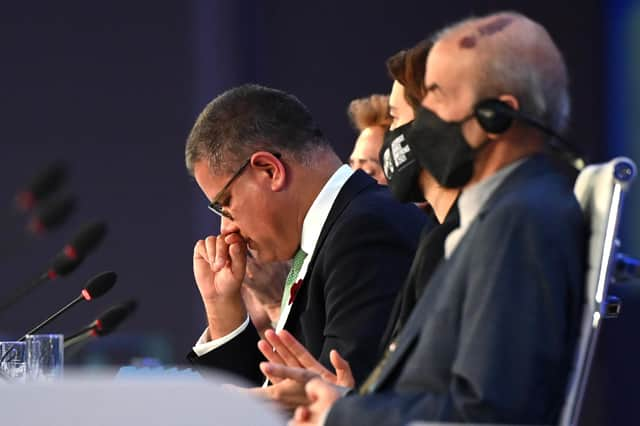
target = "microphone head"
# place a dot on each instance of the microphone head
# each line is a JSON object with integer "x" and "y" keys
{"x": 99, "y": 285}
{"x": 89, "y": 236}
{"x": 52, "y": 214}
{"x": 112, "y": 318}
{"x": 62, "y": 265}
{"x": 44, "y": 183}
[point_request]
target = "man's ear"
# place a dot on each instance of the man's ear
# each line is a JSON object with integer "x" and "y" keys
{"x": 269, "y": 168}
{"x": 511, "y": 101}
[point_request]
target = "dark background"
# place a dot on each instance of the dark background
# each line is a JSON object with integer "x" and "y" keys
{"x": 114, "y": 87}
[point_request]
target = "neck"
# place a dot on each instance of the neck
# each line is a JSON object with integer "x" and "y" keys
{"x": 501, "y": 153}
{"x": 306, "y": 183}
{"x": 440, "y": 199}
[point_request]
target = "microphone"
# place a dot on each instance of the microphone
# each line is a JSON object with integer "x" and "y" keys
{"x": 65, "y": 262}
{"x": 51, "y": 214}
{"x": 96, "y": 287}
{"x": 49, "y": 180}
{"x": 107, "y": 322}
{"x": 85, "y": 240}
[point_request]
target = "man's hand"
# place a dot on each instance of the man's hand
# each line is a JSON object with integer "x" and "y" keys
{"x": 262, "y": 290}
{"x": 288, "y": 393}
{"x": 219, "y": 267}
{"x": 322, "y": 396}
{"x": 266, "y": 280}
{"x": 283, "y": 349}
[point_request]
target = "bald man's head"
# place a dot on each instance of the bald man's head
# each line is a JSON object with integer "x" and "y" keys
{"x": 507, "y": 53}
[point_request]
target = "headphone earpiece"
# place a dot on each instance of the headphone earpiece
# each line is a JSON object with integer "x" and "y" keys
{"x": 494, "y": 115}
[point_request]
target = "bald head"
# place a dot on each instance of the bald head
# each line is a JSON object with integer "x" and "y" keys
{"x": 507, "y": 53}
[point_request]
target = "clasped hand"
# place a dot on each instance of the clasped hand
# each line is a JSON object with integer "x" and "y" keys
{"x": 219, "y": 267}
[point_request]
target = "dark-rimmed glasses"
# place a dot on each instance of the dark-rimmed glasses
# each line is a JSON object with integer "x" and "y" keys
{"x": 215, "y": 205}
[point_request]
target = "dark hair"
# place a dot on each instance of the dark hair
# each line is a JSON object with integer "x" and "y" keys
{"x": 370, "y": 111}
{"x": 247, "y": 119}
{"x": 408, "y": 67}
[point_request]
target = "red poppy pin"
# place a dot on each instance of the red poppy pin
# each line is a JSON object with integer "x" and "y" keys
{"x": 294, "y": 291}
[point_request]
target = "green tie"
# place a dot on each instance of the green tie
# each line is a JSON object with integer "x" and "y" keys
{"x": 298, "y": 260}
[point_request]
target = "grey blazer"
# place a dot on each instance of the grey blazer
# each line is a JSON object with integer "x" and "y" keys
{"x": 492, "y": 337}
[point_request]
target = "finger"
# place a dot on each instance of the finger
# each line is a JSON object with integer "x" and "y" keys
{"x": 302, "y": 414}
{"x": 299, "y": 375}
{"x": 288, "y": 358}
{"x": 344, "y": 375}
{"x": 200, "y": 252}
{"x": 251, "y": 267}
{"x": 211, "y": 244}
{"x": 301, "y": 354}
{"x": 238, "y": 258}
{"x": 232, "y": 238}
{"x": 218, "y": 250}
{"x": 257, "y": 392}
{"x": 269, "y": 353}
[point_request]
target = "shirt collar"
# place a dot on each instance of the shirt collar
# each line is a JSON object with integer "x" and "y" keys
{"x": 474, "y": 197}
{"x": 317, "y": 214}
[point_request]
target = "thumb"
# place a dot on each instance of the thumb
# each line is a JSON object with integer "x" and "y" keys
{"x": 343, "y": 370}
{"x": 237, "y": 252}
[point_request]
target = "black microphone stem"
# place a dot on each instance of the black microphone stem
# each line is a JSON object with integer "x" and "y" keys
{"x": 52, "y": 317}
{"x": 20, "y": 292}
{"x": 77, "y": 338}
{"x": 85, "y": 330}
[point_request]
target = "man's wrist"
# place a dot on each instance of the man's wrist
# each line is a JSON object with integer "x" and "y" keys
{"x": 224, "y": 316}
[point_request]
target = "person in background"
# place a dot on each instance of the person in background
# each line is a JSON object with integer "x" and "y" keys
{"x": 370, "y": 117}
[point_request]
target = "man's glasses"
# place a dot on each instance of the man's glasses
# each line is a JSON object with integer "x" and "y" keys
{"x": 216, "y": 205}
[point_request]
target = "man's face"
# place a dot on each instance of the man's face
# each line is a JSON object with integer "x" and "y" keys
{"x": 247, "y": 201}
{"x": 449, "y": 82}
{"x": 400, "y": 110}
{"x": 366, "y": 153}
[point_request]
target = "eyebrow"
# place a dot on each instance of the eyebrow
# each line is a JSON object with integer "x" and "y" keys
{"x": 432, "y": 88}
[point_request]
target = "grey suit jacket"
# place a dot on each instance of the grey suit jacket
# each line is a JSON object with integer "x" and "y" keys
{"x": 493, "y": 335}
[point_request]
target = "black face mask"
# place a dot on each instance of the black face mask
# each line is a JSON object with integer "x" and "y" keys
{"x": 440, "y": 148}
{"x": 399, "y": 166}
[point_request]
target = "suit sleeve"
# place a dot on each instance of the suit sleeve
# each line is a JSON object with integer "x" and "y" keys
{"x": 365, "y": 266}
{"x": 239, "y": 356}
{"x": 516, "y": 340}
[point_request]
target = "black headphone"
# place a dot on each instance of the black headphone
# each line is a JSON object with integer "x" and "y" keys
{"x": 496, "y": 116}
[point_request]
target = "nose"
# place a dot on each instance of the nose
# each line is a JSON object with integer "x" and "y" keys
{"x": 227, "y": 226}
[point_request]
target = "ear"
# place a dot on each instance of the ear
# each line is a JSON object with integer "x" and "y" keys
{"x": 511, "y": 101}
{"x": 270, "y": 168}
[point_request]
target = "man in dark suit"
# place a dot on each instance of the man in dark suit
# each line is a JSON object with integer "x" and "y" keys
{"x": 282, "y": 193}
{"x": 492, "y": 337}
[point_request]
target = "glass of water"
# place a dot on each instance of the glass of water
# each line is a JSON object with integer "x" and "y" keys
{"x": 13, "y": 362}
{"x": 45, "y": 356}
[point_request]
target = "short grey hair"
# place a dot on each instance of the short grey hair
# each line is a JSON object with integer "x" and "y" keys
{"x": 252, "y": 118}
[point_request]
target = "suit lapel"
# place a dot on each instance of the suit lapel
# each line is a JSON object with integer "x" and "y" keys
{"x": 358, "y": 182}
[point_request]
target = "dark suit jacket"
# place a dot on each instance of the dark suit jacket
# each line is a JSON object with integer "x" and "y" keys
{"x": 361, "y": 258}
{"x": 493, "y": 335}
{"x": 428, "y": 255}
